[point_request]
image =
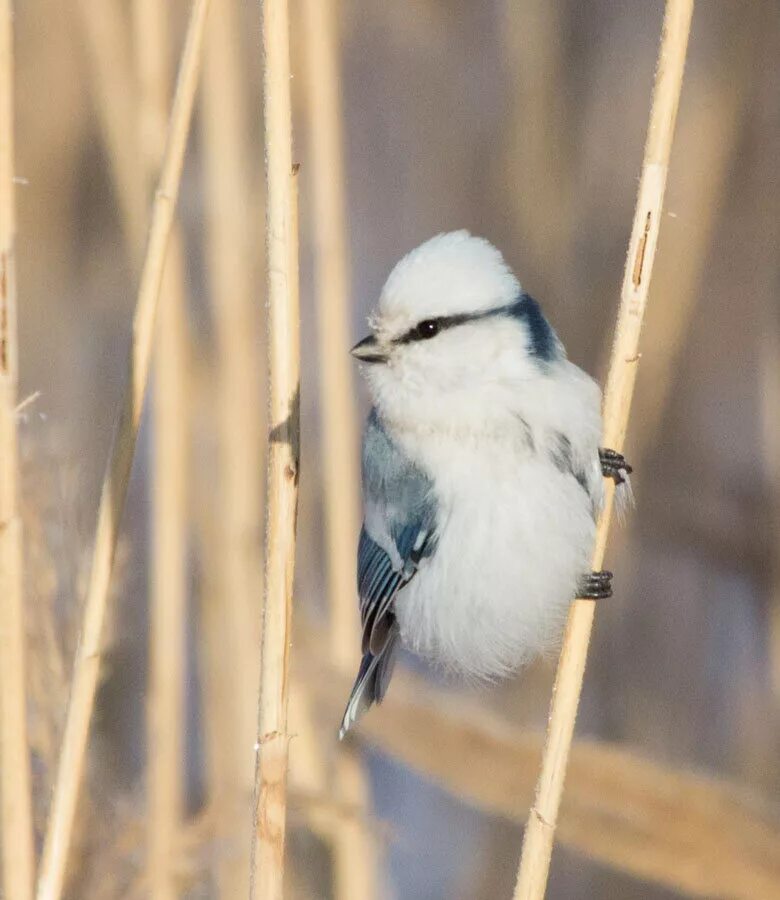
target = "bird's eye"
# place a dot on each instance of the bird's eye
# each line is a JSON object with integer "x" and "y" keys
{"x": 428, "y": 329}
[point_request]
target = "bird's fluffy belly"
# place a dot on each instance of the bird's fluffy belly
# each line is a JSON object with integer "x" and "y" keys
{"x": 512, "y": 545}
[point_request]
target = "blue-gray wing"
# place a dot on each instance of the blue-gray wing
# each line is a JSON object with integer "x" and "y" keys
{"x": 399, "y": 531}
{"x": 379, "y": 581}
{"x": 589, "y": 479}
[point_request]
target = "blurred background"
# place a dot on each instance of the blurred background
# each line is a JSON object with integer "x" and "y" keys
{"x": 523, "y": 121}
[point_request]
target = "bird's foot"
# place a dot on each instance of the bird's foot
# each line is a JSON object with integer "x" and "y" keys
{"x": 614, "y": 465}
{"x": 595, "y": 586}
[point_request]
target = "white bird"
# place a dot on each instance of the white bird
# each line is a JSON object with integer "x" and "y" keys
{"x": 482, "y": 473}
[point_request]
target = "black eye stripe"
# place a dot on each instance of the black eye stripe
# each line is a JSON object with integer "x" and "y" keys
{"x": 544, "y": 342}
{"x": 429, "y": 328}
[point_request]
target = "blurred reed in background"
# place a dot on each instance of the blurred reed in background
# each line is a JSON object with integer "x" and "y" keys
{"x": 523, "y": 121}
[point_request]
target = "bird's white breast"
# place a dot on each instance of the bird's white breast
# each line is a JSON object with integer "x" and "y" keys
{"x": 515, "y": 535}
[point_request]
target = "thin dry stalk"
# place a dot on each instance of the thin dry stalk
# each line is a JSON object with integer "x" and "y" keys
{"x": 769, "y": 356}
{"x": 111, "y": 76}
{"x": 16, "y": 829}
{"x": 770, "y": 421}
{"x": 89, "y": 653}
{"x": 354, "y": 847}
{"x": 234, "y": 678}
{"x": 713, "y": 128}
{"x": 168, "y": 609}
{"x": 168, "y": 606}
{"x": 270, "y": 801}
{"x": 540, "y": 830}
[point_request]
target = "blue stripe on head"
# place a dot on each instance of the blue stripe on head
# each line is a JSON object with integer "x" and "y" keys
{"x": 545, "y": 344}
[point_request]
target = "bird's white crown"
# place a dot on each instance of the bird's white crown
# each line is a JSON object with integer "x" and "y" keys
{"x": 451, "y": 273}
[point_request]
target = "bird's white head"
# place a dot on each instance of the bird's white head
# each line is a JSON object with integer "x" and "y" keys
{"x": 452, "y": 327}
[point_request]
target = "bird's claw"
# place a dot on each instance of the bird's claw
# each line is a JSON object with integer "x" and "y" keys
{"x": 595, "y": 586}
{"x": 614, "y": 465}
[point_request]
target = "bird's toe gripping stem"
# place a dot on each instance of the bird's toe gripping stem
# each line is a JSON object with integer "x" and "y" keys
{"x": 614, "y": 465}
{"x": 595, "y": 586}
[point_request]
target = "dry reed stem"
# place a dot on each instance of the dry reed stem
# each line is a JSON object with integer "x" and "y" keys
{"x": 770, "y": 349}
{"x": 354, "y": 846}
{"x": 688, "y": 832}
{"x": 239, "y": 504}
{"x": 540, "y": 830}
{"x": 168, "y": 603}
{"x": 89, "y": 653}
{"x": 272, "y": 748}
{"x": 168, "y": 608}
{"x": 308, "y": 770}
{"x": 310, "y": 789}
{"x": 713, "y": 128}
{"x": 111, "y": 78}
{"x": 16, "y": 826}
{"x": 115, "y": 103}
{"x": 769, "y": 355}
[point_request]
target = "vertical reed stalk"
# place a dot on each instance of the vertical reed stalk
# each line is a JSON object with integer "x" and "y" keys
{"x": 88, "y": 655}
{"x": 168, "y": 606}
{"x": 712, "y": 130}
{"x": 769, "y": 354}
{"x": 235, "y": 676}
{"x": 540, "y": 830}
{"x": 270, "y": 801}
{"x": 354, "y": 848}
{"x": 16, "y": 829}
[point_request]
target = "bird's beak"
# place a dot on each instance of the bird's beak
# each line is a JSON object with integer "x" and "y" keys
{"x": 369, "y": 351}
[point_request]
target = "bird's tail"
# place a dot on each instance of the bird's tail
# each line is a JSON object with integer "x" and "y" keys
{"x": 371, "y": 683}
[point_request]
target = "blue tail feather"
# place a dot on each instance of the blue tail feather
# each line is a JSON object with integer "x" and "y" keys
{"x": 371, "y": 683}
